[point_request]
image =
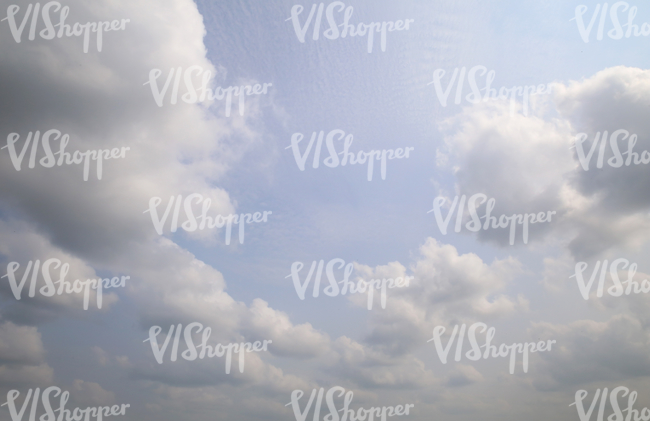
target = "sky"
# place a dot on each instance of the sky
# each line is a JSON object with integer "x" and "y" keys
{"x": 552, "y": 135}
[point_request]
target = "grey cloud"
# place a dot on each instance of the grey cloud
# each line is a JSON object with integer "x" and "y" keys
{"x": 448, "y": 288}
{"x": 589, "y": 351}
{"x": 599, "y": 208}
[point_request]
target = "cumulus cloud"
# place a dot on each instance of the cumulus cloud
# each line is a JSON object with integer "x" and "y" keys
{"x": 589, "y": 351}
{"x": 98, "y": 227}
{"x": 20, "y": 345}
{"x": 596, "y": 209}
{"x": 22, "y": 358}
{"x": 448, "y": 288}
{"x": 26, "y": 253}
{"x": 91, "y": 394}
{"x": 463, "y": 375}
{"x": 174, "y": 150}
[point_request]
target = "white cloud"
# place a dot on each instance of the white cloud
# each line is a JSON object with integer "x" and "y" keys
{"x": 91, "y": 394}
{"x": 22, "y": 358}
{"x": 20, "y": 345}
{"x": 448, "y": 288}
{"x": 526, "y": 163}
{"x": 463, "y": 375}
{"x": 589, "y": 351}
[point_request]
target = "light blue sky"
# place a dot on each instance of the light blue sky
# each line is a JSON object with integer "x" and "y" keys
{"x": 384, "y": 99}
